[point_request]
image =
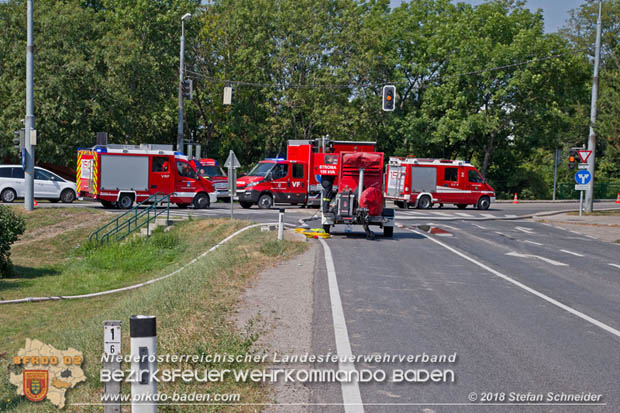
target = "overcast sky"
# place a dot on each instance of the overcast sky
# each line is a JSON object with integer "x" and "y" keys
{"x": 554, "y": 11}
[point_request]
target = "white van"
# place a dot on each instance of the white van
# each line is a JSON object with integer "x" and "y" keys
{"x": 47, "y": 185}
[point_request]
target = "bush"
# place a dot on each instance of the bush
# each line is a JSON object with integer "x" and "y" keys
{"x": 11, "y": 227}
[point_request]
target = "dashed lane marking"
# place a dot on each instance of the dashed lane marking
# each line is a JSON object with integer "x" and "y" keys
{"x": 572, "y": 253}
{"x": 614, "y": 265}
{"x": 532, "y": 242}
{"x": 547, "y": 260}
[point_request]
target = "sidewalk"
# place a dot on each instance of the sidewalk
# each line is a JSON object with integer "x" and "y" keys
{"x": 603, "y": 227}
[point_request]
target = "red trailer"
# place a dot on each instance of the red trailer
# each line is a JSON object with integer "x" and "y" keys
{"x": 358, "y": 200}
{"x": 119, "y": 175}
{"x": 421, "y": 183}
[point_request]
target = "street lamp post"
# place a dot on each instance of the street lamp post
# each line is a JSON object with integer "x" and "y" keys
{"x": 181, "y": 78}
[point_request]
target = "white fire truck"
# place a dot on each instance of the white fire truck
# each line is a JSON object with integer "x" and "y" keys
{"x": 119, "y": 175}
{"x": 420, "y": 183}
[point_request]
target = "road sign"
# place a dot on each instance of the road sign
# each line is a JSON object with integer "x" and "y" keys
{"x": 232, "y": 161}
{"x": 584, "y": 155}
{"x": 583, "y": 177}
{"x": 579, "y": 187}
{"x": 582, "y": 166}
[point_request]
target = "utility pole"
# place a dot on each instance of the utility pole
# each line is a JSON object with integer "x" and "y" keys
{"x": 180, "y": 142}
{"x": 29, "y": 121}
{"x": 592, "y": 136}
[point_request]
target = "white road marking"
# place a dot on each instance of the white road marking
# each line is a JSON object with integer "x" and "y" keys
{"x": 487, "y": 215}
{"x": 479, "y": 226}
{"x": 443, "y": 214}
{"x": 575, "y": 232}
{"x": 547, "y": 260}
{"x": 501, "y": 233}
{"x": 525, "y": 229}
{"x": 572, "y": 253}
{"x": 614, "y": 265}
{"x": 532, "y": 242}
{"x": 510, "y": 216}
{"x": 451, "y": 227}
{"x": 463, "y": 214}
{"x": 351, "y": 397}
{"x": 545, "y": 297}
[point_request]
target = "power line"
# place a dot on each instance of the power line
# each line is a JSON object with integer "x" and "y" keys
{"x": 354, "y": 85}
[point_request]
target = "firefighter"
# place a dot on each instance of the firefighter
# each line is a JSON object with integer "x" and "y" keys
{"x": 327, "y": 182}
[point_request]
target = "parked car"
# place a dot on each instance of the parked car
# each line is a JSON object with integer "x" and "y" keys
{"x": 47, "y": 185}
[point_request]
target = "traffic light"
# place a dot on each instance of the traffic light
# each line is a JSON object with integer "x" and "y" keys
{"x": 572, "y": 159}
{"x": 186, "y": 88}
{"x": 389, "y": 98}
{"x": 18, "y": 140}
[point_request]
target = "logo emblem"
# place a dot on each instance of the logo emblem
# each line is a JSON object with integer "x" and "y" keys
{"x": 36, "y": 384}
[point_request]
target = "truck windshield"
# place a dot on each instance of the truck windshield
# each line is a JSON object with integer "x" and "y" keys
{"x": 261, "y": 169}
{"x": 210, "y": 171}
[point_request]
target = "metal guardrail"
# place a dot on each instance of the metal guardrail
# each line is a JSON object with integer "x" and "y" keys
{"x": 132, "y": 220}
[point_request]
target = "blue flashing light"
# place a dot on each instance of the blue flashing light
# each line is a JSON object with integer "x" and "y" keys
{"x": 101, "y": 150}
{"x": 275, "y": 159}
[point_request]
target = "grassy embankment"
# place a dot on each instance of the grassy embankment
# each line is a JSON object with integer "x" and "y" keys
{"x": 193, "y": 308}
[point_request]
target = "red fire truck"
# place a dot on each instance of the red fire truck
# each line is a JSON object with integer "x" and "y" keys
{"x": 296, "y": 179}
{"x": 210, "y": 169}
{"x": 358, "y": 200}
{"x": 421, "y": 183}
{"x": 119, "y": 175}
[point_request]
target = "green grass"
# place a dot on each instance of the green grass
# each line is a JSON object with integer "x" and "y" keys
{"x": 194, "y": 308}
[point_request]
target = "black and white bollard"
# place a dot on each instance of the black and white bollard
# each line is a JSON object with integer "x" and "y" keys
{"x": 281, "y": 224}
{"x": 143, "y": 335}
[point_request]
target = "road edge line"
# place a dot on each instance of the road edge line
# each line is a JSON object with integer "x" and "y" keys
{"x": 519, "y": 284}
{"x": 351, "y": 397}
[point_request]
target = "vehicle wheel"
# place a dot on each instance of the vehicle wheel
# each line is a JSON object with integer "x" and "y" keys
{"x": 327, "y": 228}
{"x": 245, "y": 204}
{"x": 67, "y": 196}
{"x": 400, "y": 204}
{"x": 107, "y": 204}
{"x": 8, "y": 195}
{"x": 125, "y": 201}
{"x": 265, "y": 201}
{"x": 182, "y": 206}
{"x": 388, "y": 232}
{"x": 484, "y": 202}
{"x": 461, "y": 206}
{"x": 201, "y": 201}
{"x": 425, "y": 202}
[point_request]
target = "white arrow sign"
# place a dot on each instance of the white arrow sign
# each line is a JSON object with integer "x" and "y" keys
{"x": 547, "y": 260}
{"x": 232, "y": 161}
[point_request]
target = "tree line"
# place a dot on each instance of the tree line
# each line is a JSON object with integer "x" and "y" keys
{"x": 481, "y": 83}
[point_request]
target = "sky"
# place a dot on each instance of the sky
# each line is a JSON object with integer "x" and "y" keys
{"x": 555, "y": 12}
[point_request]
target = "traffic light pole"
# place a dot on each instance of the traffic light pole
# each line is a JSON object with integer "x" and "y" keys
{"x": 592, "y": 135}
{"x": 29, "y": 121}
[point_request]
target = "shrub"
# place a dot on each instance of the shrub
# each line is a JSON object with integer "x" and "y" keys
{"x": 11, "y": 227}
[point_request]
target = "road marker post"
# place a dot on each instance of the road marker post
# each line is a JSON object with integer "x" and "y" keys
{"x": 281, "y": 224}
{"x": 232, "y": 163}
{"x": 143, "y": 333}
{"x": 112, "y": 348}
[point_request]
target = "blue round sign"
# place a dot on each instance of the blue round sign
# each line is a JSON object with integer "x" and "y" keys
{"x": 583, "y": 177}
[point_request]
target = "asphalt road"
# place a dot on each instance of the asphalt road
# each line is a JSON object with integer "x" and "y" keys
{"x": 525, "y": 307}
